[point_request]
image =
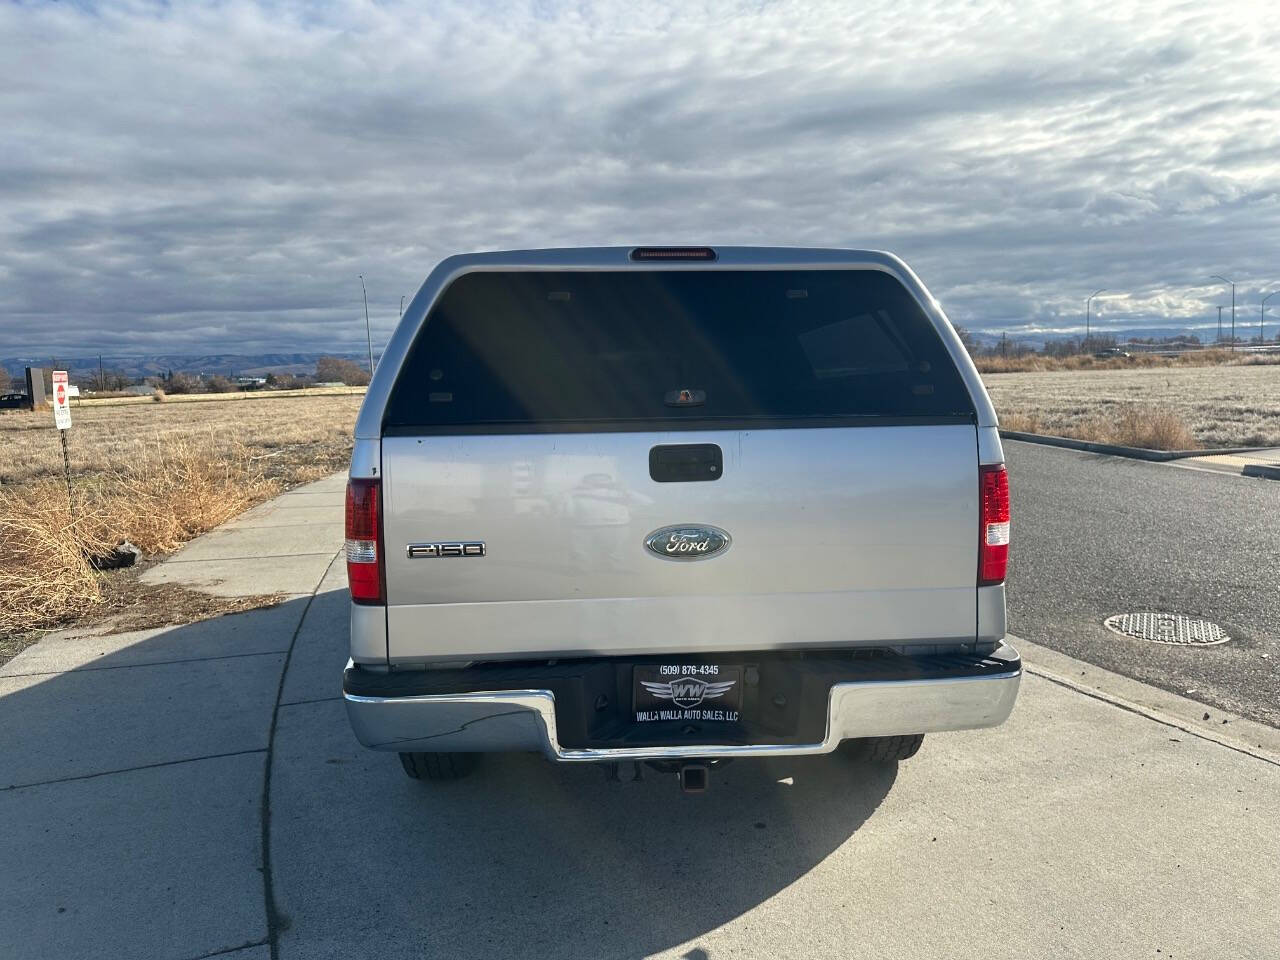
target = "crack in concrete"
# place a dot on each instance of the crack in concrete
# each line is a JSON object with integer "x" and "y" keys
{"x": 296, "y": 703}
{"x": 145, "y": 663}
{"x": 142, "y": 766}
{"x": 224, "y": 951}
{"x": 270, "y": 907}
{"x": 265, "y": 556}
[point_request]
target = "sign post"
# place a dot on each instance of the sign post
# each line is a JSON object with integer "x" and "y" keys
{"x": 62, "y": 420}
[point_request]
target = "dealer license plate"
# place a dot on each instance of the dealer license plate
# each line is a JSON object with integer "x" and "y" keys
{"x": 687, "y": 691}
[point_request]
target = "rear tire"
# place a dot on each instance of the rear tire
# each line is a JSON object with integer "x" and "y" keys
{"x": 883, "y": 749}
{"x": 438, "y": 766}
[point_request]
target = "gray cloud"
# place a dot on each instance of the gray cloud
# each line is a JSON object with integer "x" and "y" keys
{"x": 200, "y": 178}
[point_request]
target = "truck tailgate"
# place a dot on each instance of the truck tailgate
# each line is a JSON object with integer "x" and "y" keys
{"x": 841, "y": 536}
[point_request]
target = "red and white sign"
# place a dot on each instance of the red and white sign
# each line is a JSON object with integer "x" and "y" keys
{"x": 61, "y": 401}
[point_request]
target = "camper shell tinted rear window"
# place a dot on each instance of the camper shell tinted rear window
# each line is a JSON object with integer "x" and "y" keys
{"x": 670, "y": 350}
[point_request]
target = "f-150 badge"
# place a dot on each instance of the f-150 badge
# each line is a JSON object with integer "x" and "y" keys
{"x": 691, "y": 542}
{"x": 687, "y": 691}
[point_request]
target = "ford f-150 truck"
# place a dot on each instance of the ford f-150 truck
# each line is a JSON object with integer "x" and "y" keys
{"x": 675, "y": 505}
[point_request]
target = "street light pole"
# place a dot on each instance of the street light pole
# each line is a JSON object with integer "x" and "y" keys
{"x": 1220, "y": 309}
{"x": 1233, "y": 307}
{"x": 368, "y": 336}
{"x": 1087, "y": 302}
{"x": 1261, "y": 310}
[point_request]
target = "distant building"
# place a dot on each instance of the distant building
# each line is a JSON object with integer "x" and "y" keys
{"x": 141, "y": 390}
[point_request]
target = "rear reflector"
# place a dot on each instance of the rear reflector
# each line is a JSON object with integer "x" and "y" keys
{"x": 673, "y": 253}
{"x": 993, "y": 537}
{"x": 364, "y": 542}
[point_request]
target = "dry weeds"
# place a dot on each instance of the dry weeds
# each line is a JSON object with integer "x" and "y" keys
{"x": 156, "y": 475}
{"x": 251, "y": 396}
{"x": 1038, "y": 363}
{"x": 1159, "y": 408}
{"x": 295, "y": 439}
{"x": 1136, "y": 425}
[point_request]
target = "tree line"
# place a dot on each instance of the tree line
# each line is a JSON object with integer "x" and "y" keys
{"x": 329, "y": 369}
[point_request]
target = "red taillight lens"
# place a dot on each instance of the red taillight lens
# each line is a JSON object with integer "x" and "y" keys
{"x": 364, "y": 542}
{"x": 993, "y": 535}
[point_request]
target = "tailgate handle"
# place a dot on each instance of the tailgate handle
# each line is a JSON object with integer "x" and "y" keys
{"x": 686, "y": 462}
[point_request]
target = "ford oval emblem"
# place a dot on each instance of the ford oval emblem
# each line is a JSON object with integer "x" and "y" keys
{"x": 687, "y": 542}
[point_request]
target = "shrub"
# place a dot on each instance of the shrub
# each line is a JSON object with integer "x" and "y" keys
{"x": 1020, "y": 422}
{"x": 1150, "y": 427}
{"x": 330, "y": 369}
{"x": 1128, "y": 425}
{"x": 172, "y": 492}
{"x": 180, "y": 383}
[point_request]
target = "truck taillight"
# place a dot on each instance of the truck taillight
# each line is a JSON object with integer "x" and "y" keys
{"x": 993, "y": 537}
{"x": 364, "y": 542}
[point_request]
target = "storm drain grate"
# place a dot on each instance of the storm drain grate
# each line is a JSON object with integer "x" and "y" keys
{"x": 1167, "y": 628}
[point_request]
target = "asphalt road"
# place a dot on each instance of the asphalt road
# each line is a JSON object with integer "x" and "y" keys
{"x": 1097, "y": 535}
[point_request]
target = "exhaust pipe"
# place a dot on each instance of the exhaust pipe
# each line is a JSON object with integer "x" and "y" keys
{"x": 694, "y": 777}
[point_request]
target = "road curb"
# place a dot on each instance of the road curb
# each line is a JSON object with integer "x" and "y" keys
{"x": 1115, "y": 450}
{"x": 1261, "y": 470}
{"x": 1136, "y": 696}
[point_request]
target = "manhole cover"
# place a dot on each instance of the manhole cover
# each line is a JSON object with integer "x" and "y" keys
{"x": 1167, "y": 628}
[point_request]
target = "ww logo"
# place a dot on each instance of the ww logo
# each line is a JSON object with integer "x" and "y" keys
{"x": 687, "y": 691}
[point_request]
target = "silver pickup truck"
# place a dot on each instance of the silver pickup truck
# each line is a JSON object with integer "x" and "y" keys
{"x": 675, "y": 505}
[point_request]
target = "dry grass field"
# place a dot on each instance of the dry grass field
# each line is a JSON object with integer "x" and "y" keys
{"x": 1172, "y": 407}
{"x": 292, "y": 438}
{"x": 155, "y": 474}
{"x": 1039, "y": 363}
{"x": 249, "y": 397}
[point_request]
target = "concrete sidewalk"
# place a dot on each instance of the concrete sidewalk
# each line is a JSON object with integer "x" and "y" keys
{"x": 1264, "y": 464}
{"x": 132, "y": 765}
{"x": 196, "y": 791}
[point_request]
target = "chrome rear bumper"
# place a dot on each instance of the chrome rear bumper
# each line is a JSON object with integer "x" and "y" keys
{"x": 525, "y": 720}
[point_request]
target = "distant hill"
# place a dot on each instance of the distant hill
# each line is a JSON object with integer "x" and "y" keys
{"x": 157, "y": 365}
{"x": 989, "y": 337}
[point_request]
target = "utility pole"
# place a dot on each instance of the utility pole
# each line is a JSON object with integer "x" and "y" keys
{"x": 1233, "y": 308}
{"x": 1219, "y": 324}
{"x": 367, "y": 335}
{"x": 402, "y": 308}
{"x": 1261, "y": 310}
{"x": 1087, "y": 302}
{"x": 102, "y": 380}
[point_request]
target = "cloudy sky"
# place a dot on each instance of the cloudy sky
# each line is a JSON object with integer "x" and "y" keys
{"x": 200, "y": 178}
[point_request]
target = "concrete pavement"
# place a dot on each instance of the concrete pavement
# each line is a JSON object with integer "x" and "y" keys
{"x": 1264, "y": 464}
{"x": 132, "y": 767}
{"x": 195, "y": 791}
